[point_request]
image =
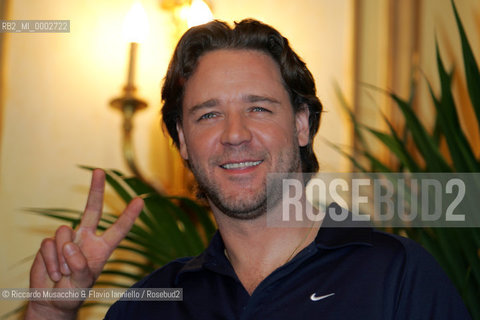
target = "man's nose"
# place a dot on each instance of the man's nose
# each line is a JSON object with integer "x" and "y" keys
{"x": 236, "y": 130}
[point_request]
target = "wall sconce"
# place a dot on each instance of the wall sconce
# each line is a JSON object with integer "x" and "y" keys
{"x": 135, "y": 30}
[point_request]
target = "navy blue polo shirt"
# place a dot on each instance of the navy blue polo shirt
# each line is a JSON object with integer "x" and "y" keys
{"x": 345, "y": 273}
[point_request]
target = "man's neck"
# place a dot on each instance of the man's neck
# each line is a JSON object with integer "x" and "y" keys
{"x": 256, "y": 250}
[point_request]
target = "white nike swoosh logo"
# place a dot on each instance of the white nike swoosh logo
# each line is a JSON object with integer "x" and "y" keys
{"x": 313, "y": 297}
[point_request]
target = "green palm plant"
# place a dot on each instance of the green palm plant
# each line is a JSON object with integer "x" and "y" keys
{"x": 418, "y": 150}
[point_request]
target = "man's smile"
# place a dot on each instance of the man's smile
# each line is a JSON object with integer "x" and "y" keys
{"x": 240, "y": 165}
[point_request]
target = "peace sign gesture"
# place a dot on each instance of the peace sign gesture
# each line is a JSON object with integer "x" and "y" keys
{"x": 75, "y": 258}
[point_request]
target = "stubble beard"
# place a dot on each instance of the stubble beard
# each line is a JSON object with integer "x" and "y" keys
{"x": 238, "y": 206}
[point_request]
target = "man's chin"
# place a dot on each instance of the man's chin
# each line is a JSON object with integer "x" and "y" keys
{"x": 250, "y": 215}
{"x": 240, "y": 210}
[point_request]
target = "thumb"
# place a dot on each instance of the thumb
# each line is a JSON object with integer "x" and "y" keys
{"x": 81, "y": 275}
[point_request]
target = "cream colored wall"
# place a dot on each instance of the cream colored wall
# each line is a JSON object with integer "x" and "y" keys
{"x": 57, "y": 89}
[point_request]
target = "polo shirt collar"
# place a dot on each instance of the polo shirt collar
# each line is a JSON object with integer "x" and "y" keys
{"x": 334, "y": 234}
{"x": 330, "y": 236}
{"x": 213, "y": 258}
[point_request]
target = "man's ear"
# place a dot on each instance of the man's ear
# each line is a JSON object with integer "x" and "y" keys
{"x": 301, "y": 123}
{"x": 182, "y": 147}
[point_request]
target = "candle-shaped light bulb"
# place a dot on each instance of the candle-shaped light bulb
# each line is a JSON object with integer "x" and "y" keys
{"x": 198, "y": 13}
{"x": 135, "y": 29}
{"x": 131, "y": 65}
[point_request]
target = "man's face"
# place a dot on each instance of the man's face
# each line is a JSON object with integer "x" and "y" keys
{"x": 238, "y": 125}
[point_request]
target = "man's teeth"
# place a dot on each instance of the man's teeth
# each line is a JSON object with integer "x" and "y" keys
{"x": 241, "y": 165}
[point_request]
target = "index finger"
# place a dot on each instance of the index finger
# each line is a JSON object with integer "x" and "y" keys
{"x": 94, "y": 207}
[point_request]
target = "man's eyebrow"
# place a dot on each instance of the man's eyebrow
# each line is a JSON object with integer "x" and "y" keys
{"x": 255, "y": 98}
{"x": 206, "y": 104}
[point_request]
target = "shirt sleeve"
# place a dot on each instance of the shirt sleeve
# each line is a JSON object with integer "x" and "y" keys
{"x": 426, "y": 291}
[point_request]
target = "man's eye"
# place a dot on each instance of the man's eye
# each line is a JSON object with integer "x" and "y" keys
{"x": 259, "y": 109}
{"x": 209, "y": 115}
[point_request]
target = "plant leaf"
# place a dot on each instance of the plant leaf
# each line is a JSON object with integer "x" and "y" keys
{"x": 435, "y": 162}
{"x": 472, "y": 72}
{"x": 459, "y": 148}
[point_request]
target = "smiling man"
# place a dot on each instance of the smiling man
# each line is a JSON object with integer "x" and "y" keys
{"x": 237, "y": 126}
{"x": 240, "y": 104}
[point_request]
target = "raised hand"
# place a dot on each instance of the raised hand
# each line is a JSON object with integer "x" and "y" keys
{"x": 75, "y": 258}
